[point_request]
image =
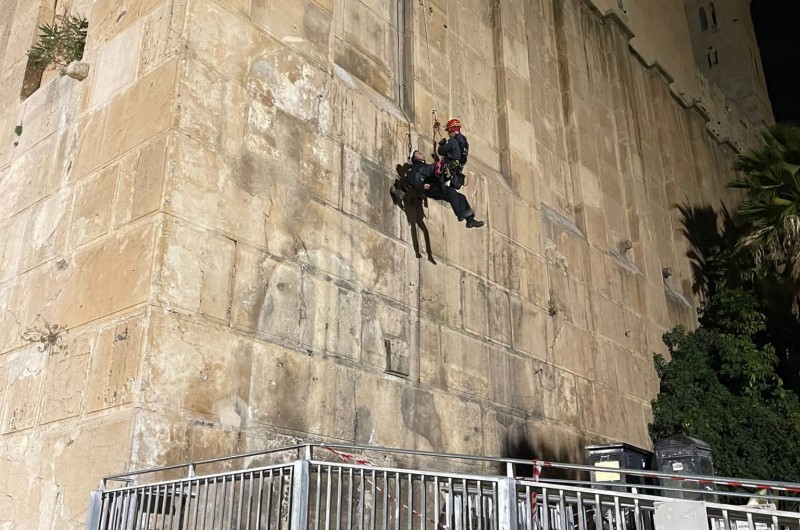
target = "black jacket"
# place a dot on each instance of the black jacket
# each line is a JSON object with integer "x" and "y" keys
{"x": 450, "y": 150}
{"x": 421, "y": 173}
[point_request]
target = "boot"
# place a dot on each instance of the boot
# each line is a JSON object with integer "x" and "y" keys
{"x": 474, "y": 223}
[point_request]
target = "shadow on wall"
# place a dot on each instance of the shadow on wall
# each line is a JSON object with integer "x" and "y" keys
{"x": 413, "y": 205}
{"x": 712, "y": 237}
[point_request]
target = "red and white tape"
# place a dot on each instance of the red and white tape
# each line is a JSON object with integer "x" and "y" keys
{"x": 361, "y": 461}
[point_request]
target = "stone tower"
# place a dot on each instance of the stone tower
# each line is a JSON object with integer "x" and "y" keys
{"x": 726, "y": 51}
{"x": 199, "y": 255}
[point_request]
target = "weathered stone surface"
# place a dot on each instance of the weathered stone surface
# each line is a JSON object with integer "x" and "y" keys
{"x": 266, "y": 295}
{"x": 12, "y": 234}
{"x": 213, "y": 382}
{"x": 93, "y": 283}
{"x": 317, "y": 397}
{"x": 331, "y": 318}
{"x": 195, "y": 274}
{"x": 77, "y": 70}
{"x": 33, "y": 175}
{"x": 529, "y": 328}
{"x": 115, "y": 370}
{"x": 208, "y": 217}
{"x": 139, "y": 191}
{"x": 75, "y": 458}
{"x": 116, "y": 64}
{"x": 24, "y": 373}
{"x": 92, "y": 206}
{"x": 65, "y": 383}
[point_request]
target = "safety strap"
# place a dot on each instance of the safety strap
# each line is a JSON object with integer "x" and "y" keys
{"x": 437, "y": 133}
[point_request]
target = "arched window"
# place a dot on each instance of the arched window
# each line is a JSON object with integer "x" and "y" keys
{"x": 712, "y": 57}
{"x": 713, "y": 15}
{"x": 703, "y": 19}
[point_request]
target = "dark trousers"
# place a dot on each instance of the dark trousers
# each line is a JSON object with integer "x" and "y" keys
{"x": 457, "y": 201}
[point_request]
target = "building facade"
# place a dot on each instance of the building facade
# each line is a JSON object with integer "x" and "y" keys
{"x": 199, "y": 255}
{"x": 726, "y": 51}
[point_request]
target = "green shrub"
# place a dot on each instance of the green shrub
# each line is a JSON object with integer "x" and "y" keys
{"x": 60, "y": 43}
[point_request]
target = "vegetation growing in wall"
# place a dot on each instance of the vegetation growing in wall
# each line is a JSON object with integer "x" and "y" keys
{"x": 47, "y": 336}
{"x": 60, "y": 43}
{"x": 733, "y": 382}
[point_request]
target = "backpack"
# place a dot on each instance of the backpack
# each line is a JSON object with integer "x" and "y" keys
{"x": 464, "y": 145}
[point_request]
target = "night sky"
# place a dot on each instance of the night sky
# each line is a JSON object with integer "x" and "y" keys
{"x": 777, "y": 24}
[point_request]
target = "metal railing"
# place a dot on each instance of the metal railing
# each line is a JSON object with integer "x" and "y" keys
{"x": 341, "y": 487}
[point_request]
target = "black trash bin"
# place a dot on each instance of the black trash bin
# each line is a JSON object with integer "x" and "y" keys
{"x": 610, "y": 457}
{"x": 615, "y": 456}
{"x": 684, "y": 455}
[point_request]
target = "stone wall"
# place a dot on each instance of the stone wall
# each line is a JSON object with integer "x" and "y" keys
{"x": 198, "y": 254}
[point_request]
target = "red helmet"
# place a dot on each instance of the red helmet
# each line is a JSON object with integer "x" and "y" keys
{"x": 453, "y": 125}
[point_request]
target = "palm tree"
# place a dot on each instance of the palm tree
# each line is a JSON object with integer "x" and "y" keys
{"x": 771, "y": 180}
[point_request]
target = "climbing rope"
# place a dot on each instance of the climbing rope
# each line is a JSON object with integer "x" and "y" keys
{"x": 427, "y": 43}
{"x": 437, "y": 132}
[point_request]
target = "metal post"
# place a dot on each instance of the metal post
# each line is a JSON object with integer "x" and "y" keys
{"x": 95, "y": 509}
{"x": 300, "y": 489}
{"x": 507, "y": 503}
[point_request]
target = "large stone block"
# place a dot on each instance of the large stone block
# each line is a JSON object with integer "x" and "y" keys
{"x": 366, "y": 192}
{"x": 161, "y": 33}
{"x": 77, "y": 456}
{"x": 65, "y": 380}
{"x": 116, "y": 64}
{"x": 467, "y": 365}
{"x": 115, "y": 371}
{"x": 305, "y": 394}
{"x": 386, "y": 336}
{"x": 366, "y": 122}
{"x": 517, "y": 269}
{"x": 529, "y": 328}
{"x": 499, "y": 314}
{"x": 206, "y": 94}
{"x": 291, "y": 83}
{"x": 560, "y": 398}
{"x": 141, "y": 112}
{"x": 431, "y": 370}
{"x": 24, "y": 373}
{"x": 205, "y": 186}
{"x": 305, "y": 26}
{"x": 476, "y": 304}
{"x": 440, "y": 292}
{"x": 33, "y": 175}
{"x": 331, "y": 316}
{"x": 91, "y": 134}
{"x": 213, "y": 382}
{"x": 608, "y": 318}
{"x": 195, "y": 270}
{"x": 92, "y": 206}
{"x": 12, "y": 234}
{"x": 266, "y": 295}
{"x": 141, "y": 177}
{"x": 223, "y": 39}
{"x": 46, "y": 111}
{"x": 93, "y": 283}
{"x": 393, "y": 414}
{"x": 460, "y": 420}
{"x": 160, "y": 438}
{"x": 382, "y": 264}
{"x": 23, "y": 490}
{"x": 574, "y": 350}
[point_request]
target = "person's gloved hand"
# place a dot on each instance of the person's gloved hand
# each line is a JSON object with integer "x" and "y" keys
{"x": 442, "y": 141}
